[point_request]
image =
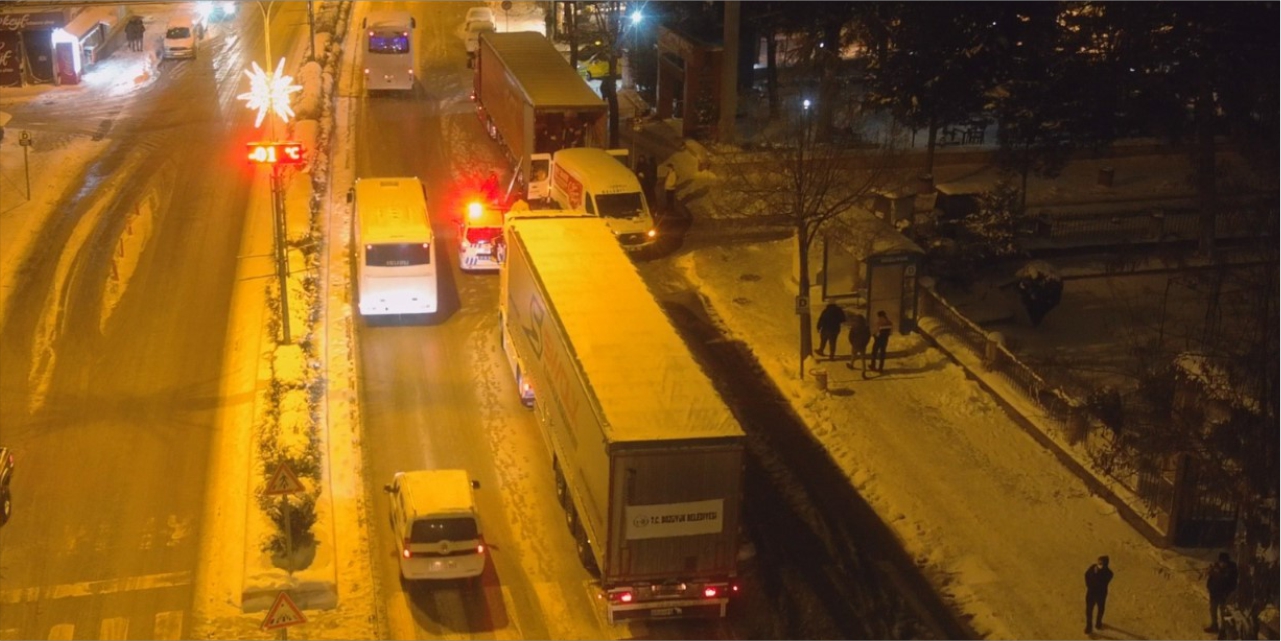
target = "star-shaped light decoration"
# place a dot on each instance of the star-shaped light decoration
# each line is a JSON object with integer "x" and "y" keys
{"x": 269, "y": 93}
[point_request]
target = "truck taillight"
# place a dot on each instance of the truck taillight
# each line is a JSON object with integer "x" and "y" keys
{"x": 623, "y": 597}
{"x": 710, "y": 592}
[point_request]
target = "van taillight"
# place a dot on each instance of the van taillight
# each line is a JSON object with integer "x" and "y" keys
{"x": 480, "y": 549}
{"x": 624, "y": 597}
{"x": 404, "y": 549}
{"x": 710, "y": 592}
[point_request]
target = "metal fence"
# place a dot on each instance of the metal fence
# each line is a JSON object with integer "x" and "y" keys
{"x": 1068, "y": 413}
{"x": 1152, "y": 225}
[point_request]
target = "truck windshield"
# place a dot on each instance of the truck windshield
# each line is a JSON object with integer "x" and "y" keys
{"x": 397, "y": 254}
{"x": 447, "y": 529}
{"x": 619, "y": 205}
{"x": 388, "y": 43}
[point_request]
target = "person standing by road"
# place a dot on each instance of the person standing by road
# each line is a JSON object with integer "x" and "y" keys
{"x": 860, "y": 335}
{"x": 1097, "y": 578}
{"x": 1221, "y": 582}
{"x": 829, "y": 327}
{"x": 668, "y": 174}
{"x": 881, "y": 340}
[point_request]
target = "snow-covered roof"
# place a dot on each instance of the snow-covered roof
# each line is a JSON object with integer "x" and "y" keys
{"x": 867, "y": 235}
{"x": 436, "y": 491}
{"x": 89, "y": 19}
{"x": 544, "y": 74}
{"x": 646, "y": 383}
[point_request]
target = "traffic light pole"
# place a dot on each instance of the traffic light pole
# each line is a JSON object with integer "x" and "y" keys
{"x": 282, "y": 253}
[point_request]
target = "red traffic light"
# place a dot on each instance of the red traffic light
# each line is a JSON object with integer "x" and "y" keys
{"x": 276, "y": 153}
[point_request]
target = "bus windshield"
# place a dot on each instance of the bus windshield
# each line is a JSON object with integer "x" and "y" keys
{"x": 619, "y": 205}
{"x": 397, "y": 254}
{"x": 388, "y": 43}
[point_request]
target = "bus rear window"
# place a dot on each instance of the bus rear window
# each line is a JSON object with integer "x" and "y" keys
{"x": 397, "y": 254}
{"x": 446, "y": 529}
{"x": 388, "y": 43}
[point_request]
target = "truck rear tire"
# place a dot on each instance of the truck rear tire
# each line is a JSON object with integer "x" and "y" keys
{"x": 562, "y": 489}
{"x": 584, "y": 548}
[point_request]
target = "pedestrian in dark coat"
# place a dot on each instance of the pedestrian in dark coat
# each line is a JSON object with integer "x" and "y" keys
{"x": 860, "y": 335}
{"x": 1097, "y": 578}
{"x": 881, "y": 340}
{"x": 133, "y": 34}
{"x": 829, "y": 326}
{"x": 1221, "y": 582}
{"x": 667, "y": 173}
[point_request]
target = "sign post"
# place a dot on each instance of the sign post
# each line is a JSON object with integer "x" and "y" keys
{"x": 283, "y": 613}
{"x": 283, "y": 483}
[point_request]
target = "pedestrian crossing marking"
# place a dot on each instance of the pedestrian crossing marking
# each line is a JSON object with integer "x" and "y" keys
{"x": 62, "y": 632}
{"x": 168, "y": 626}
{"x": 114, "y": 629}
{"x": 92, "y": 588}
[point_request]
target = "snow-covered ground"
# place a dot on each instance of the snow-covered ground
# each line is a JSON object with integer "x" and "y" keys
{"x": 998, "y": 524}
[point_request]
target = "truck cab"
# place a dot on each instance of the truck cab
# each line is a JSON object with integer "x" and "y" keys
{"x": 595, "y": 182}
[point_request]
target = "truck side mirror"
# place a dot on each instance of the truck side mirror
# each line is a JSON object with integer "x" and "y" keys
{"x": 389, "y": 489}
{"x": 351, "y": 195}
{"x": 475, "y": 485}
{"x": 413, "y": 23}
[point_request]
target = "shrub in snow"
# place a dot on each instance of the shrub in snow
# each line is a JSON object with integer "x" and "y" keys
{"x": 990, "y": 229}
{"x": 307, "y": 101}
{"x": 1040, "y": 289}
{"x": 302, "y": 516}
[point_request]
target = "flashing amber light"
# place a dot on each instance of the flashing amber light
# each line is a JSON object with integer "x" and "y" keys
{"x": 480, "y": 549}
{"x": 276, "y": 153}
{"x": 474, "y": 210}
{"x": 651, "y": 233}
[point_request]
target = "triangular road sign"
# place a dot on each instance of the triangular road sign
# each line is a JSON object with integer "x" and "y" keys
{"x": 284, "y": 481}
{"x": 283, "y": 613}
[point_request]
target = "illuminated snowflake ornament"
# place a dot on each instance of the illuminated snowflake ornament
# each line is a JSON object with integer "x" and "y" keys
{"x": 269, "y": 93}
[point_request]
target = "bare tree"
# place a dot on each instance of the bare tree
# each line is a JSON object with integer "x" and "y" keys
{"x": 807, "y": 183}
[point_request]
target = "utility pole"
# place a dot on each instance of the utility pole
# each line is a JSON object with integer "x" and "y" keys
{"x": 729, "y": 74}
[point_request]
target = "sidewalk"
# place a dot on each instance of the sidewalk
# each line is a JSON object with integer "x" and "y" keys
{"x": 1001, "y": 528}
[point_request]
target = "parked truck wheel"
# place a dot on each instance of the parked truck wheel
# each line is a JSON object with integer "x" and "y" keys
{"x": 562, "y": 489}
{"x": 571, "y": 517}
{"x": 584, "y": 548}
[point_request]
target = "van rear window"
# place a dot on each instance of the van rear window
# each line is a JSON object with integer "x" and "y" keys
{"x": 446, "y": 529}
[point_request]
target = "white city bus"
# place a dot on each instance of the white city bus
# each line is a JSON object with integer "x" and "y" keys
{"x": 394, "y": 247}
{"x": 389, "y": 54}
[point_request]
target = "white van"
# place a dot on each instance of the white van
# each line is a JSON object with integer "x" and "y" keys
{"x": 433, "y": 514}
{"x": 180, "y": 39}
{"x": 594, "y": 181}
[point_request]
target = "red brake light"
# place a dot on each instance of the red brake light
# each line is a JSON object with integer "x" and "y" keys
{"x": 625, "y": 597}
{"x": 710, "y": 592}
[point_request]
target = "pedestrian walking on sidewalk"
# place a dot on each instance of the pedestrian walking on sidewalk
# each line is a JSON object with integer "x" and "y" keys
{"x": 1221, "y": 582}
{"x": 881, "y": 340}
{"x": 829, "y": 327}
{"x": 860, "y": 335}
{"x": 1097, "y": 578}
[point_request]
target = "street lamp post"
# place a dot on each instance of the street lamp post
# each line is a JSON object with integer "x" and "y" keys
{"x": 637, "y": 16}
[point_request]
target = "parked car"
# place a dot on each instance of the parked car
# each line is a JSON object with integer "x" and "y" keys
{"x": 595, "y": 67}
{"x": 180, "y": 39}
